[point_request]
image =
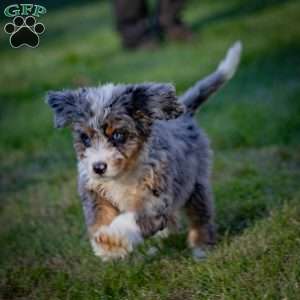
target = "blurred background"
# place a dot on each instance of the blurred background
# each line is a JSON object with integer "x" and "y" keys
{"x": 253, "y": 124}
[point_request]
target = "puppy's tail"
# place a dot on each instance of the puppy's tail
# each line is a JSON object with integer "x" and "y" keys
{"x": 202, "y": 89}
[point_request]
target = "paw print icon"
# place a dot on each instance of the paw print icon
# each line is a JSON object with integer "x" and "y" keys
{"x": 24, "y": 32}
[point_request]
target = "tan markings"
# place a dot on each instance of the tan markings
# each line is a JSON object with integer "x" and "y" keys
{"x": 155, "y": 178}
{"x": 201, "y": 235}
{"x": 197, "y": 237}
{"x": 149, "y": 180}
{"x": 89, "y": 131}
{"x": 109, "y": 130}
{"x": 110, "y": 242}
{"x": 105, "y": 212}
{"x": 132, "y": 152}
{"x": 138, "y": 199}
{"x": 127, "y": 195}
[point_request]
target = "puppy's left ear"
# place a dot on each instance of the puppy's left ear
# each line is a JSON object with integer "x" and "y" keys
{"x": 157, "y": 101}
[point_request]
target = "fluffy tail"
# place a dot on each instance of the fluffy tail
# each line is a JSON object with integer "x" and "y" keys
{"x": 200, "y": 91}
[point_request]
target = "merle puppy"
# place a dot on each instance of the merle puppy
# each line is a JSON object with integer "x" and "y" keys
{"x": 142, "y": 159}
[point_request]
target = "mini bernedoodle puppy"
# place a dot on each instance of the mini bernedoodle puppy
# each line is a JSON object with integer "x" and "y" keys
{"x": 142, "y": 159}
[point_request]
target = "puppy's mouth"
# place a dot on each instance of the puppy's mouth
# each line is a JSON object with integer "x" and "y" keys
{"x": 95, "y": 182}
{"x": 105, "y": 176}
{"x": 98, "y": 177}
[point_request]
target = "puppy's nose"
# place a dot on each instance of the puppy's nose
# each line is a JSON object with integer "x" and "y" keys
{"x": 99, "y": 167}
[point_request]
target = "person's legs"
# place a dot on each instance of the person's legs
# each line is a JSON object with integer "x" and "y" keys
{"x": 132, "y": 21}
{"x": 170, "y": 19}
{"x": 169, "y": 11}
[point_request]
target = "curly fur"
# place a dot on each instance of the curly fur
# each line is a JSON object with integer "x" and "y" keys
{"x": 161, "y": 166}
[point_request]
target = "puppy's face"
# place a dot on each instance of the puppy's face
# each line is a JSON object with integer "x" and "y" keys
{"x": 108, "y": 146}
{"x": 112, "y": 123}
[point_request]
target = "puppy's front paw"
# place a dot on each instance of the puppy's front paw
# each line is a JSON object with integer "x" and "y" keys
{"x": 109, "y": 245}
{"x": 118, "y": 239}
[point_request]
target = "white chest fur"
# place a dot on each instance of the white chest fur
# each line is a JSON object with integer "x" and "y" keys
{"x": 123, "y": 195}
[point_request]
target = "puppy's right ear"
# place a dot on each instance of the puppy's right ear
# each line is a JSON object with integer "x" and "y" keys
{"x": 68, "y": 107}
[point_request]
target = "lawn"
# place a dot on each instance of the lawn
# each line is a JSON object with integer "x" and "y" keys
{"x": 254, "y": 126}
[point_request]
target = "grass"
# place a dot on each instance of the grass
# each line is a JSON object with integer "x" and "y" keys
{"x": 254, "y": 126}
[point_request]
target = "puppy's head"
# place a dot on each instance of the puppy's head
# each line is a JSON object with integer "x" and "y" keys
{"x": 111, "y": 123}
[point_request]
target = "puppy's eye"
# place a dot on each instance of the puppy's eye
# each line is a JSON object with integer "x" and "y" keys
{"x": 85, "y": 140}
{"x": 118, "y": 137}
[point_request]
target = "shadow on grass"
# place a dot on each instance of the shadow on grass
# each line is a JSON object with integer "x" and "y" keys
{"x": 244, "y": 9}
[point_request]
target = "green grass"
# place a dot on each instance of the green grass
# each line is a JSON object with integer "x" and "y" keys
{"x": 254, "y": 126}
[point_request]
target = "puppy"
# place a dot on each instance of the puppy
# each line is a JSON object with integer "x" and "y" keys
{"x": 142, "y": 159}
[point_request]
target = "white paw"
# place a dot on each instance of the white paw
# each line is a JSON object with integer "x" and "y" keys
{"x": 118, "y": 239}
{"x": 109, "y": 245}
{"x": 199, "y": 254}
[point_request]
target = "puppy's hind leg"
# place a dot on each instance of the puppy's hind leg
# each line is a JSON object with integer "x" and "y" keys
{"x": 199, "y": 210}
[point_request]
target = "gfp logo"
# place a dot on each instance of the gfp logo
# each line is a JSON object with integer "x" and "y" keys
{"x": 24, "y": 30}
